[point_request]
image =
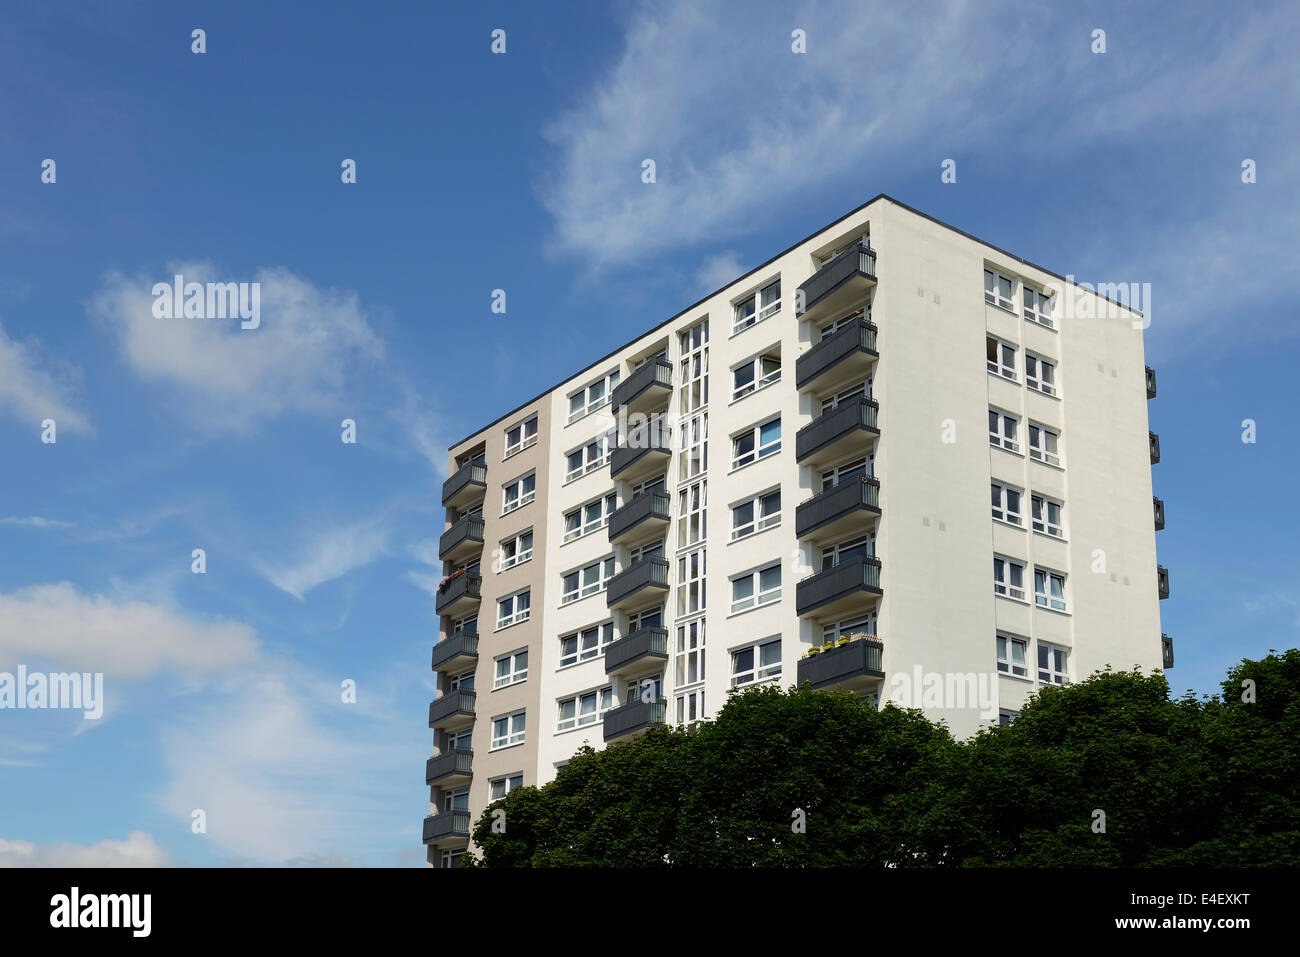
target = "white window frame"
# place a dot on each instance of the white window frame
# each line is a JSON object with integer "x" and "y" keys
{"x": 604, "y": 571}
{"x": 693, "y": 363}
{"x": 526, "y": 439}
{"x": 521, "y": 554}
{"x": 1054, "y": 675}
{"x": 757, "y": 671}
{"x": 609, "y": 380}
{"x": 833, "y": 476}
{"x": 517, "y": 615}
{"x": 1007, "y": 662}
{"x": 1040, "y": 512}
{"x": 992, "y": 292}
{"x": 693, "y": 456}
{"x": 584, "y": 650}
{"x": 1005, "y": 717}
{"x": 1039, "y": 452}
{"x": 760, "y": 451}
{"x": 461, "y": 682}
{"x": 604, "y": 444}
{"x": 1034, "y": 301}
{"x": 608, "y": 504}
{"x": 508, "y": 782}
{"x": 692, "y": 513}
{"x": 998, "y": 366}
{"x": 1003, "y": 587}
{"x": 516, "y": 730}
{"x": 999, "y": 439}
{"x": 523, "y": 498}
{"x": 760, "y": 380}
{"x": 832, "y": 402}
{"x": 834, "y": 553}
{"x": 690, "y": 707}
{"x": 688, "y": 655}
{"x": 692, "y": 578}
{"x": 1002, "y": 507}
{"x": 516, "y": 673}
{"x": 757, "y": 522}
{"x": 1048, "y": 598}
{"x": 757, "y": 597}
{"x": 1035, "y": 380}
{"x": 828, "y": 330}
{"x": 835, "y": 630}
{"x": 761, "y": 311}
{"x": 602, "y": 698}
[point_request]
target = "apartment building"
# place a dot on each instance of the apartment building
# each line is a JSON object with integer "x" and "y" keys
{"x": 891, "y": 433}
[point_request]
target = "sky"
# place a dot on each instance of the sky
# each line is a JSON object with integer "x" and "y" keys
{"x": 224, "y": 692}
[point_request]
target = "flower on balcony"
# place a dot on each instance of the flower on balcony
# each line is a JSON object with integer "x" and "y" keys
{"x": 814, "y": 650}
{"x": 442, "y": 585}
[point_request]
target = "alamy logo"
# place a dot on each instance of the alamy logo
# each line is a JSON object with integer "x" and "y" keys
{"x": 60, "y": 690}
{"x": 102, "y": 910}
{"x": 214, "y": 300}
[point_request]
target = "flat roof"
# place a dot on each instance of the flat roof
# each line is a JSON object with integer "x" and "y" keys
{"x": 699, "y": 302}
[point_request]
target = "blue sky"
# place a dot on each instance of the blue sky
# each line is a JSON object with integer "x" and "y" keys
{"x": 522, "y": 172}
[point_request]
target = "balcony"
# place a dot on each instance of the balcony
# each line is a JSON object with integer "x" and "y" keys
{"x": 1162, "y": 580}
{"x": 467, "y": 487}
{"x": 847, "y": 430}
{"x": 1151, "y": 383}
{"x": 462, "y": 540}
{"x": 450, "y": 769}
{"x": 644, "y": 649}
{"x": 838, "y": 285}
{"x": 649, "y": 387}
{"x": 852, "y": 585}
{"x": 456, "y": 652}
{"x": 1155, "y": 447}
{"x": 460, "y": 595}
{"x": 453, "y": 711}
{"x": 844, "y": 357}
{"x": 645, "y": 514}
{"x": 449, "y": 827}
{"x": 851, "y": 506}
{"x": 853, "y": 667}
{"x": 643, "y": 452}
{"x": 634, "y": 718}
{"x": 641, "y": 582}
{"x": 1167, "y": 651}
{"x": 1160, "y": 512}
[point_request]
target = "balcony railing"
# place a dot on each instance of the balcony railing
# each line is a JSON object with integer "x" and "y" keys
{"x": 1151, "y": 383}
{"x": 847, "y": 352}
{"x": 468, "y": 484}
{"x": 851, "y": 270}
{"x": 645, "y": 388}
{"x": 852, "y": 417}
{"x": 1167, "y": 650}
{"x": 645, "y": 440}
{"x": 449, "y": 825}
{"x": 463, "y": 538}
{"x": 455, "y": 651}
{"x": 648, "y": 506}
{"x": 642, "y": 645}
{"x": 630, "y": 718}
{"x": 463, "y": 591}
{"x": 455, "y": 764}
{"x": 839, "y": 585}
{"x": 639, "y": 577}
{"x": 1155, "y": 447}
{"x": 849, "y": 664}
{"x": 1162, "y": 580}
{"x": 453, "y": 707}
{"x": 1159, "y": 507}
{"x": 856, "y": 496}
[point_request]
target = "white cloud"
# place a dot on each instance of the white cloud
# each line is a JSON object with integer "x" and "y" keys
{"x": 138, "y": 850}
{"x": 330, "y": 555}
{"x": 123, "y": 639}
{"x": 35, "y": 521}
{"x": 718, "y": 270}
{"x": 30, "y": 392}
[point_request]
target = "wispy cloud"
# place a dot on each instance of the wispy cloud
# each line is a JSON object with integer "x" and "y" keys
{"x": 138, "y": 850}
{"x": 34, "y": 387}
{"x": 35, "y": 521}
{"x": 328, "y": 555}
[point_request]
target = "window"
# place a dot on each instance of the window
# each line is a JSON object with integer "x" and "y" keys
{"x": 1053, "y": 664}
{"x": 1001, "y": 357}
{"x": 500, "y": 787}
{"x": 456, "y": 800}
{"x": 1049, "y": 589}
{"x": 690, "y": 706}
{"x": 755, "y": 514}
{"x": 832, "y": 402}
{"x": 519, "y": 492}
{"x": 693, "y": 345}
{"x": 1006, "y": 503}
{"x": 649, "y": 618}
{"x": 513, "y": 609}
{"x": 848, "y": 472}
{"x": 460, "y": 741}
{"x": 1005, "y": 717}
{"x": 845, "y": 629}
{"x": 449, "y": 859}
{"x": 521, "y": 436}
{"x": 515, "y": 550}
{"x": 508, "y": 730}
{"x": 511, "y": 669}
{"x": 1012, "y": 655}
{"x": 1038, "y": 306}
{"x": 756, "y": 443}
{"x": 864, "y": 239}
{"x": 689, "y": 653}
{"x": 692, "y": 524}
{"x": 756, "y": 662}
{"x": 592, "y": 397}
{"x": 759, "y": 587}
{"x": 753, "y": 374}
{"x": 693, "y": 459}
{"x": 584, "y": 709}
{"x": 661, "y": 354}
{"x": 848, "y": 551}
{"x": 1046, "y": 515}
{"x": 998, "y": 289}
{"x": 589, "y": 457}
{"x": 828, "y": 330}
{"x": 585, "y": 644}
{"x": 690, "y": 582}
{"x": 1003, "y": 430}
{"x": 757, "y": 306}
{"x": 461, "y": 682}
{"x": 1044, "y": 444}
{"x": 643, "y": 552}
{"x": 585, "y": 581}
{"x": 590, "y": 517}
{"x": 468, "y": 623}
{"x": 649, "y": 688}
{"x": 1008, "y": 578}
{"x": 1040, "y": 374}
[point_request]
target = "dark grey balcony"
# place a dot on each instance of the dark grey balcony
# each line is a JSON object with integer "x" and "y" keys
{"x": 852, "y": 585}
{"x": 1151, "y": 383}
{"x": 642, "y": 581}
{"x": 450, "y": 769}
{"x": 645, "y": 648}
{"x": 853, "y": 666}
{"x": 838, "y": 285}
{"x": 1155, "y": 447}
{"x": 633, "y": 718}
{"x": 851, "y": 506}
{"x": 846, "y": 430}
{"x": 645, "y": 514}
{"x": 649, "y": 387}
{"x": 467, "y": 487}
{"x": 462, "y": 540}
{"x": 1167, "y": 650}
{"x": 456, "y": 652}
{"x": 452, "y": 711}
{"x": 642, "y": 452}
{"x": 459, "y": 596}
{"x": 1162, "y": 580}
{"x": 1160, "y": 512}
{"x": 449, "y": 827}
{"x": 841, "y": 358}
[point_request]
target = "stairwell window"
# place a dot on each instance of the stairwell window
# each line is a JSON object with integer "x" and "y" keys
{"x": 516, "y": 550}
{"x": 692, "y": 513}
{"x": 755, "y": 373}
{"x": 584, "y": 709}
{"x": 588, "y": 580}
{"x": 756, "y": 443}
{"x": 519, "y": 492}
{"x": 1008, "y": 578}
{"x": 998, "y": 289}
{"x": 588, "y": 518}
{"x": 757, "y": 306}
{"x": 1049, "y": 589}
{"x": 756, "y": 662}
{"x": 593, "y": 396}
{"x": 1053, "y": 664}
{"x": 1012, "y": 655}
{"x": 755, "y": 514}
{"x": 1001, "y": 357}
{"x": 759, "y": 587}
{"x": 511, "y": 669}
{"x": 1004, "y": 430}
{"x": 1044, "y": 444}
{"x": 521, "y": 436}
{"x": 514, "y": 609}
{"x": 1040, "y": 374}
{"x": 585, "y": 644}
{"x": 1047, "y": 515}
{"x": 508, "y": 730}
{"x": 1006, "y": 503}
{"x": 691, "y": 576}
{"x": 1038, "y": 307}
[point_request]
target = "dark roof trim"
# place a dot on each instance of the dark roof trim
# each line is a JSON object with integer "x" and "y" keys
{"x": 759, "y": 268}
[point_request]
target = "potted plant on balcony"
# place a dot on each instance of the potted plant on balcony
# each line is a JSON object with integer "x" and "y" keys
{"x": 842, "y": 641}
{"x": 814, "y": 650}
